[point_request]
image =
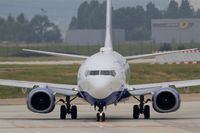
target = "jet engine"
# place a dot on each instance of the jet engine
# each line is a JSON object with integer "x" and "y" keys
{"x": 41, "y": 100}
{"x": 166, "y": 100}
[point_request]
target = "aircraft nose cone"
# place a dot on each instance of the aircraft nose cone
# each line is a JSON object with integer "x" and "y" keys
{"x": 100, "y": 84}
{"x": 100, "y": 87}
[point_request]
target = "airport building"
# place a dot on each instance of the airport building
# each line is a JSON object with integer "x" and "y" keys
{"x": 175, "y": 30}
{"x": 93, "y": 37}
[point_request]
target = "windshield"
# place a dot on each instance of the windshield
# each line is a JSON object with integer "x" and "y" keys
{"x": 101, "y": 72}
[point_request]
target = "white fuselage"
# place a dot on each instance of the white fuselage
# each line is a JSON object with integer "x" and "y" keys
{"x": 103, "y": 74}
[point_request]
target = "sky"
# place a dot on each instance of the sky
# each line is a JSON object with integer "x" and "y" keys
{"x": 61, "y": 11}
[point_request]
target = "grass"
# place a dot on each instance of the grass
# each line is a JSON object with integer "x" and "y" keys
{"x": 141, "y": 73}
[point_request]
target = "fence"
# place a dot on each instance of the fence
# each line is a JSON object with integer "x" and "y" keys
{"x": 133, "y": 48}
{"x": 10, "y": 50}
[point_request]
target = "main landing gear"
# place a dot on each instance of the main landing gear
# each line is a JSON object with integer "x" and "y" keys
{"x": 141, "y": 108}
{"x": 66, "y": 108}
{"x": 100, "y": 117}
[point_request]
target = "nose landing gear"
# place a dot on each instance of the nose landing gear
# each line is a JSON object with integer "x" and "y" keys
{"x": 100, "y": 117}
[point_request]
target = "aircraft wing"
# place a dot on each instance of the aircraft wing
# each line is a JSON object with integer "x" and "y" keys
{"x": 144, "y": 89}
{"x": 63, "y": 89}
{"x": 56, "y": 54}
{"x": 156, "y": 54}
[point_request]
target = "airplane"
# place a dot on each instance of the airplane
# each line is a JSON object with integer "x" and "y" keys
{"x": 103, "y": 81}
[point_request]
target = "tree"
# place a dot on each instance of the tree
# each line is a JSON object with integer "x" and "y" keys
{"x": 43, "y": 30}
{"x": 151, "y": 13}
{"x": 82, "y": 16}
{"x": 74, "y": 23}
{"x": 22, "y": 28}
{"x": 172, "y": 10}
{"x": 39, "y": 25}
{"x": 139, "y": 16}
{"x": 132, "y": 19}
{"x": 2, "y": 29}
{"x": 166, "y": 47}
{"x": 197, "y": 15}
{"x": 53, "y": 35}
{"x": 21, "y": 19}
{"x": 97, "y": 16}
{"x": 10, "y": 29}
{"x": 181, "y": 47}
{"x": 185, "y": 10}
{"x": 124, "y": 19}
{"x": 90, "y": 16}
{"x": 10, "y": 19}
{"x": 136, "y": 21}
{"x": 2, "y": 21}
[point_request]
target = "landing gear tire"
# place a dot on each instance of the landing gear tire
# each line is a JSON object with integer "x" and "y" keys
{"x": 63, "y": 112}
{"x": 103, "y": 117}
{"x": 141, "y": 108}
{"x": 66, "y": 108}
{"x": 100, "y": 117}
{"x": 74, "y": 112}
{"x": 136, "y": 112}
{"x": 146, "y": 112}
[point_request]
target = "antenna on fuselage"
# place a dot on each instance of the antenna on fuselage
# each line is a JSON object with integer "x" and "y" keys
{"x": 108, "y": 36}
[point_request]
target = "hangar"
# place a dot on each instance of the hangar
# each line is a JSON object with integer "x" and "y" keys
{"x": 175, "y": 30}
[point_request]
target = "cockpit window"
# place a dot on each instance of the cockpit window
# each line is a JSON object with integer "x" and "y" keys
{"x": 104, "y": 72}
{"x": 101, "y": 72}
{"x": 93, "y": 72}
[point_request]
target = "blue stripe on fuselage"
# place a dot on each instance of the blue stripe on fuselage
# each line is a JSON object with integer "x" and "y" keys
{"x": 112, "y": 98}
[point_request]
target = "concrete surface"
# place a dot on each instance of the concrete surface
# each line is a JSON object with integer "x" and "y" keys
{"x": 17, "y": 119}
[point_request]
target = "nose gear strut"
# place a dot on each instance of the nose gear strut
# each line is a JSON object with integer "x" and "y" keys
{"x": 100, "y": 116}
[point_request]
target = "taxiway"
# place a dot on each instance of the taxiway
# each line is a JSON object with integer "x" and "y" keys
{"x": 17, "y": 119}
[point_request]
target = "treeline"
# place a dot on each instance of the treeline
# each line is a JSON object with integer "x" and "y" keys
{"x": 135, "y": 20}
{"x": 39, "y": 29}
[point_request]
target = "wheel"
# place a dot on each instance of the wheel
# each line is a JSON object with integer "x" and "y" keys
{"x": 103, "y": 117}
{"x": 74, "y": 112}
{"x": 63, "y": 112}
{"x": 98, "y": 117}
{"x": 136, "y": 112}
{"x": 147, "y": 112}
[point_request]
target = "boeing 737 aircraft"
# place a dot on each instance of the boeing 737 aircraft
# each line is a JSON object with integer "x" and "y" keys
{"x": 102, "y": 81}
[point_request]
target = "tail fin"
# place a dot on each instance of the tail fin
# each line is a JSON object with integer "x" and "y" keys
{"x": 108, "y": 37}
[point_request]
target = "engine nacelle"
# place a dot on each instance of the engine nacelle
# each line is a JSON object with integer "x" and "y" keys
{"x": 41, "y": 100}
{"x": 166, "y": 100}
